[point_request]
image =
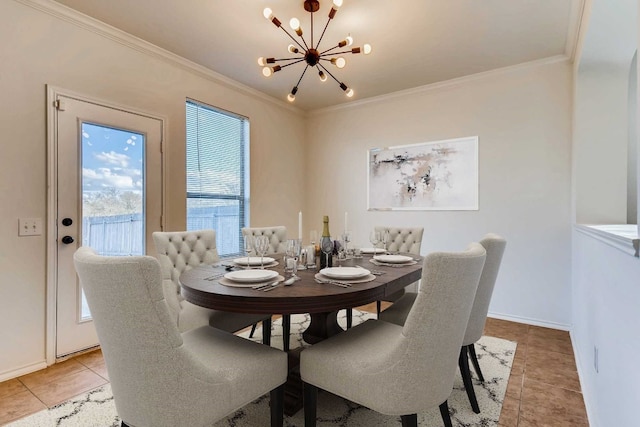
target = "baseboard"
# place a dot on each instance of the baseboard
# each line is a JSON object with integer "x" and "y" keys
{"x": 529, "y": 321}
{"x": 7, "y": 375}
{"x": 585, "y": 396}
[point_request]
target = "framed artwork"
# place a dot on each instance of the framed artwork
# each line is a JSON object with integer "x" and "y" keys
{"x": 439, "y": 175}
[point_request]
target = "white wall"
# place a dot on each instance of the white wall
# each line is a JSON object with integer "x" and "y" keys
{"x": 606, "y": 316}
{"x": 37, "y": 49}
{"x": 522, "y": 118}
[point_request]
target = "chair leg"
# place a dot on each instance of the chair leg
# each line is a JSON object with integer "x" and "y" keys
{"x": 266, "y": 331}
{"x": 463, "y": 363}
{"x": 123, "y": 424}
{"x": 253, "y": 330}
{"x": 349, "y": 318}
{"x": 310, "y": 399}
{"x": 286, "y": 331}
{"x": 444, "y": 413}
{"x": 277, "y": 406}
{"x": 409, "y": 420}
{"x": 474, "y": 360}
{"x": 378, "y": 308}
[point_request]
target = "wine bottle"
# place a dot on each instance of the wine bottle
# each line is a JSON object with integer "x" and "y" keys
{"x": 326, "y": 245}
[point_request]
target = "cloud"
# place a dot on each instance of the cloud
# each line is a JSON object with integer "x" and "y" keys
{"x": 121, "y": 179}
{"x": 113, "y": 158}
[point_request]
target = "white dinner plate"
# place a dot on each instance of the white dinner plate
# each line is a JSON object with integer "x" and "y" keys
{"x": 251, "y": 276}
{"x": 253, "y": 260}
{"x": 345, "y": 272}
{"x": 372, "y": 250}
{"x": 393, "y": 259}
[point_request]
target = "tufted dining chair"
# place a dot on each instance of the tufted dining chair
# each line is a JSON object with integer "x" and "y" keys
{"x": 398, "y": 312}
{"x": 401, "y": 239}
{"x": 401, "y": 370}
{"x": 178, "y": 251}
{"x": 159, "y": 376}
{"x": 277, "y": 236}
{"x": 277, "y": 244}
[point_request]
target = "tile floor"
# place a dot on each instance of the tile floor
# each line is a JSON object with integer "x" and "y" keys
{"x": 543, "y": 389}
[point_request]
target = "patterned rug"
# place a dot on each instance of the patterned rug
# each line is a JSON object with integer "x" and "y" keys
{"x": 97, "y": 409}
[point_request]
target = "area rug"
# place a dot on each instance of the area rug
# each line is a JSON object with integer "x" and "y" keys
{"x": 97, "y": 409}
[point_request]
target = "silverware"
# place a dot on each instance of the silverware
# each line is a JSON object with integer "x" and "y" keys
{"x": 214, "y": 277}
{"x": 264, "y": 286}
{"x": 270, "y": 288}
{"x": 334, "y": 282}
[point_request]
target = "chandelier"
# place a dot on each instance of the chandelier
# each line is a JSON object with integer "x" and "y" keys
{"x": 310, "y": 53}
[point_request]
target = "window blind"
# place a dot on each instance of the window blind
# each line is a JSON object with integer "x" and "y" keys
{"x": 217, "y": 178}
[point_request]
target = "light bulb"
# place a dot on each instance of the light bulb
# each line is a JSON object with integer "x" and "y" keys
{"x": 267, "y": 13}
{"x": 337, "y": 3}
{"x": 292, "y": 49}
{"x": 267, "y": 71}
{"x": 294, "y": 23}
{"x": 291, "y": 97}
{"x": 349, "y": 92}
{"x": 323, "y": 76}
{"x": 339, "y": 62}
{"x": 366, "y": 48}
{"x": 349, "y": 40}
{"x": 262, "y": 62}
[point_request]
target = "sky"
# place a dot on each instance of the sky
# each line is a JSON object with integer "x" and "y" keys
{"x": 111, "y": 158}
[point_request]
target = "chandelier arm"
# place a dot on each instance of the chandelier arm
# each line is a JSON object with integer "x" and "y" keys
{"x": 331, "y": 48}
{"x": 297, "y": 58}
{"x": 322, "y": 35}
{"x": 291, "y": 63}
{"x": 300, "y": 79}
{"x": 329, "y": 72}
{"x": 294, "y": 39}
{"x": 337, "y": 53}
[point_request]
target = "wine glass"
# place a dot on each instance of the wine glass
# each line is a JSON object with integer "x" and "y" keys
{"x": 248, "y": 247}
{"x": 262, "y": 246}
{"x": 374, "y": 238}
{"x": 385, "y": 240}
{"x": 292, "y": 251}
{"x": 326, "y": 246}
{"x": 342, "y": 250}
{"x": 346, "y": 238}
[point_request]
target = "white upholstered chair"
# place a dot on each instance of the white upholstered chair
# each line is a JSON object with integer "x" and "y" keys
{"x": 401, "y": 370}
{"x": 401, "y": 239}
{"x": 178, "y": 251}
{"x": 277, "y": 236}
{"x": 398, "y": 312}
{"x": 277, "y": 244}
{"x": 159, "y": 376}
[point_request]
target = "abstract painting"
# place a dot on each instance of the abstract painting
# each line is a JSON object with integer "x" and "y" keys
{"x": 439, "y": 175}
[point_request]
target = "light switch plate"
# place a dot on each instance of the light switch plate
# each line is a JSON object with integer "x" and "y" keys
{"x": 29, "y": 226}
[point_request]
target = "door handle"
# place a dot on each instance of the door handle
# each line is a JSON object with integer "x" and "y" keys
{"x": 67, "y": 240}
{"x": 67, "y": 222}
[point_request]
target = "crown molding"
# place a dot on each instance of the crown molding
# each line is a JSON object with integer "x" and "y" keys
{"x": 95, "y": 26}
{"x": 577, "y": 24}
{"x": 447, "y": 84}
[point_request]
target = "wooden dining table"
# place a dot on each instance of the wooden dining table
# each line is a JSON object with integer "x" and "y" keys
{"x": 321, "y": 301}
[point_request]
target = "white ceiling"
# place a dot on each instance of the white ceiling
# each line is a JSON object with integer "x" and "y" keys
{"x": 415, "y": 42}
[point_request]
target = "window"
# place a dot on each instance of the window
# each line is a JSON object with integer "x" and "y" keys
{"x": 217, "y": 174}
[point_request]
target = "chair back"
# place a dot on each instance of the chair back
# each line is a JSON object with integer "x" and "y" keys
{"x": 138, "y": 338}
{"x": 436, "y": 324}
{"x": 277, "y": 236}
{"x": 179, "y": 251}
{"x": 403, "y": 239}
{"x": 494, "y": 245}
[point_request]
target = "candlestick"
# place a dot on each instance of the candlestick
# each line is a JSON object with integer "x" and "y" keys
{"x": 300, "y": 225}
{"x": 346, "y": 220}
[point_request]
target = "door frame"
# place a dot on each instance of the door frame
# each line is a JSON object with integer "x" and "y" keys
{"x": 52, "y": 187}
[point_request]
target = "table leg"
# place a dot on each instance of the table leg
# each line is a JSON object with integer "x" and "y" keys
{"x": 322, "y": 326}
